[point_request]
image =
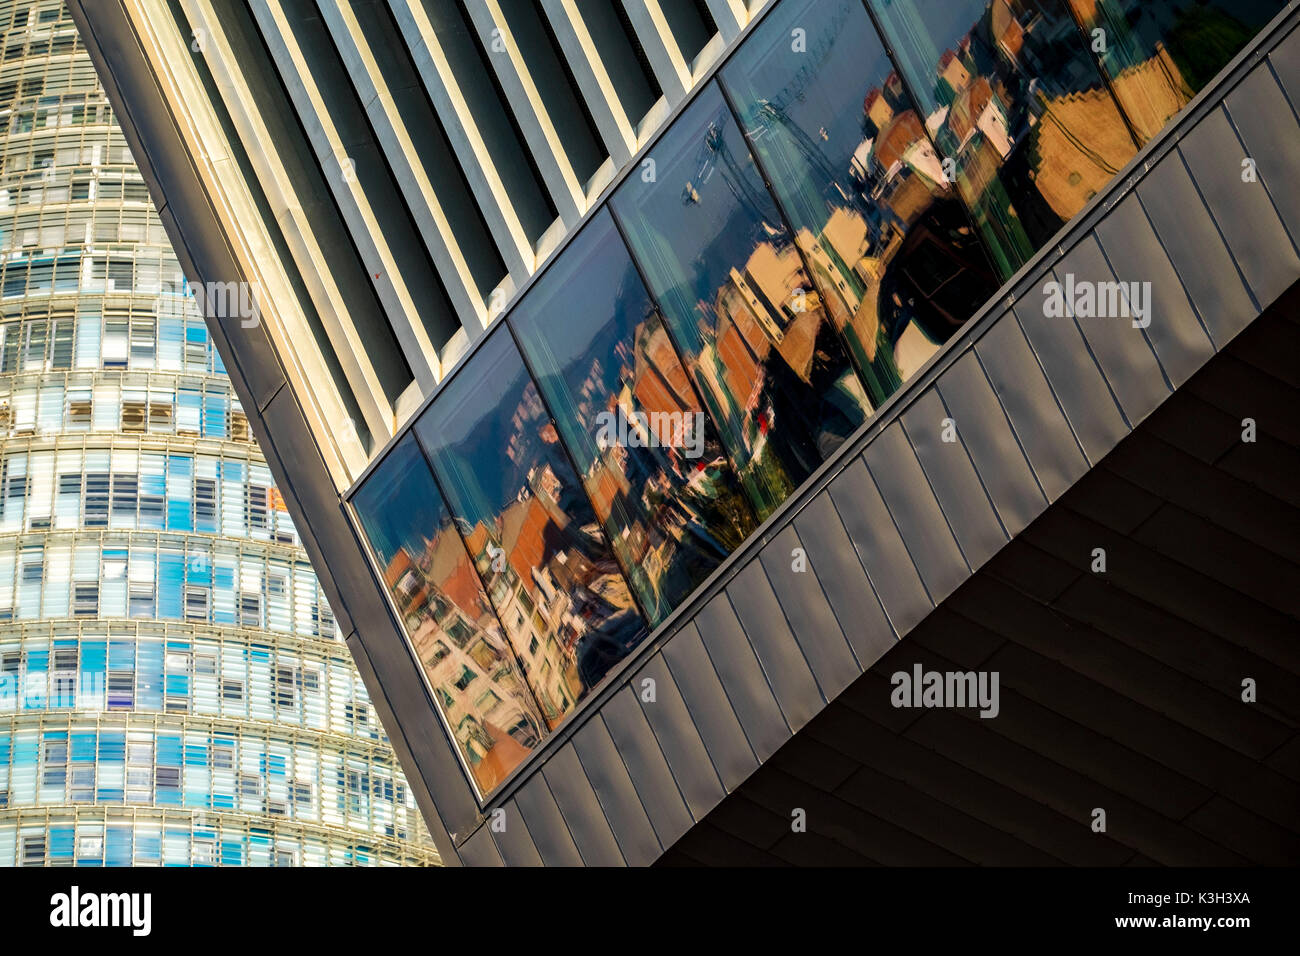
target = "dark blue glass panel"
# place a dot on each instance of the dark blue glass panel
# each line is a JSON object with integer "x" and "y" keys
{"x": 474, "y": 674}
{"x": 887, "y": 238}
{"x": 526, "y": 521}
{"x": 722, "y": 263}
{"x": 650, "y": 460}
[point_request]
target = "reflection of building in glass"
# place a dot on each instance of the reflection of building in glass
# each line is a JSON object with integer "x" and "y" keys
{"x": 172, "y": 689}
{"x": 1159, "y": 53}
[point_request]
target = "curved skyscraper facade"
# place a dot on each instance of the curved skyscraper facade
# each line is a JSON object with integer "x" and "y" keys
{"x": 172, "y": 687}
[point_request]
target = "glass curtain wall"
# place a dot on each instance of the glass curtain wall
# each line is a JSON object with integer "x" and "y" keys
{"x": 661, "y": 483}
{"x": 820, "y": 219}
{"x": 735, "y": 293}
{"x": 471, "y": 668}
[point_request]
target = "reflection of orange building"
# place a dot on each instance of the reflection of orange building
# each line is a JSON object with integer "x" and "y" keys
{"x": 478, "y": 687}
{"x": 769, "y": 304}
{"x": 660, "y": 383}
{"x": 1079, "y": 149}
{"x": 606, "y": 483}
{"x": 877, "y": 109}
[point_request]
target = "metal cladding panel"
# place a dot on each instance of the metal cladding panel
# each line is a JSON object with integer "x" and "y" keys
{"x": 1120, "y": 348}
{"x": 1030, "y": 404}
{"x": 953, "y": 480}
{"x": 646, "y": 765}
{"x": 511, "y": 836}
{"x": 707, "y": 702}
{"x": 783, "y": 660}
{"x": 577, "y": 801}
{"x": 1077, "y": 381}
{"x": 1285, "y": 58}
{"x": 993, "y": 448}
{"x": 742, "y": 677}
{"x": 1129, "y": 242}
{"x": 1243, "y": 211}
{"x": 617, "y": 794}
{"x": 812, "y": 622}
{"x": 537, "y": 809}
{"x": 969, "y": 791}
{"x": 1267, "y": 126}
{"x": 479, "y": 850}
{"x": 848, "y": 588}
{"x": 880, "y": 547}
{"x": 916, "y": 512}
{"x": 1188, "y": 234}
{"x": 680, "y": 741}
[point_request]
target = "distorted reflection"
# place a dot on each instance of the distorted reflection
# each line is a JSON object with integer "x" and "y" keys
{"x": 1012, "y": 96}
{"x": 567, "y": 610}
{"x": 1158, "y": 54}
{"x": 457, "y": 639}
{"x": 651, "y": 462}
{"x": 888, "y": 240}
{"x": 769, "y": 362}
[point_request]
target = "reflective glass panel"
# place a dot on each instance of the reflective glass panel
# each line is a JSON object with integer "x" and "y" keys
{"x": 721, "y": 261}
{"x": 885, "y": 234}
{"x": 566, "y": 608}
{"x": 1158, "y": 54}
{"x": 650, "y": 460}
{"x": 1012, "y": 95}
{"x": 473, "y": 671}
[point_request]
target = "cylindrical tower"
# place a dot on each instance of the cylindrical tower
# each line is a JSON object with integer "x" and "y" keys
{"x": 172, "y": 689}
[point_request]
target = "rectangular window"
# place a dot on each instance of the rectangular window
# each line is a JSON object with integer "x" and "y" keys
{"x": 167, "y": 778}
{"x": 284, "y": 687}
{"x": 121, "y": 689}
{"x": 85, "y": 600}
{"x": 205, "y": 504}
{"x": 257, "y": 496}
{"x": 426, "y": 568}
{"x": 739, "y": 306}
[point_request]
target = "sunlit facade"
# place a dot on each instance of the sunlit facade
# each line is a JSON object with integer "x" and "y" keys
{"x": 172, "y": 687}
